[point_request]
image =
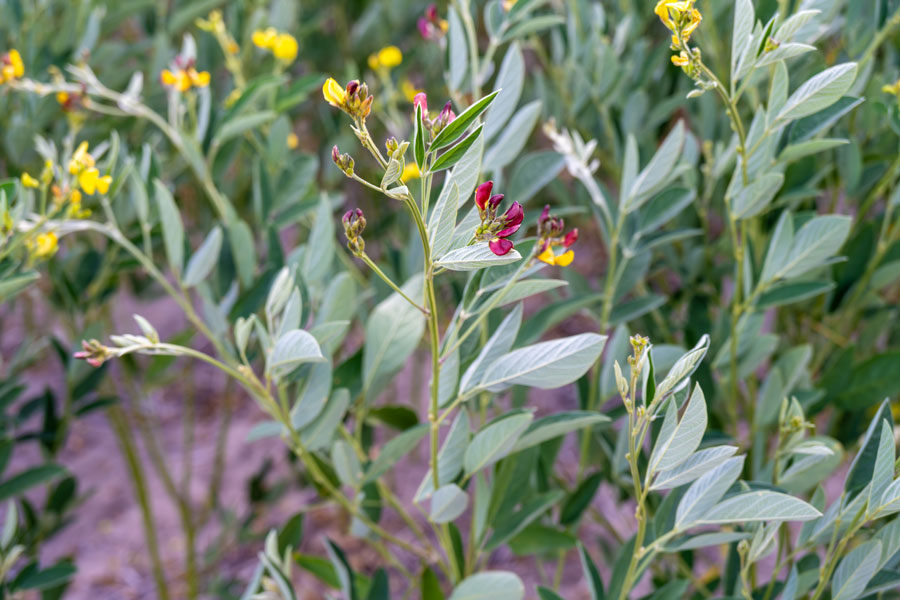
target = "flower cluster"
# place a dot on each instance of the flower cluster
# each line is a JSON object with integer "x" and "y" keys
{"x": 215, "y": 24}
{"x": 681, "y": 18}
{"x": 432, "y": 26}
{"x": 44, "y": 245}
{"x": 354, "y": 224}
{"x": 94, "y": 352}
{"x": 353, "y": 100}
{"x": 385, "y": 59}
{"x": 550, "y": 236}
{"x": 282, "y": 45}
{"x": 11, "y": 66}
{"x": 494, "y": 228}
{"x": 893, "y": 89}
{"x": 88, "y": 176}
{"x": 183, "y": 76}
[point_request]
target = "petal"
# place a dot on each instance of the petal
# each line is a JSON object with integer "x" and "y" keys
{"x": 508, "y": 231}
{"x": 500, "y": 246}
{"x": 547, "y": 256}
{"x": 565, "y": 259}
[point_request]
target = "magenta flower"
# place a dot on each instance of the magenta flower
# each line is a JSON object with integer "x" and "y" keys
{"x": 482, "y": 193}
{"x": 511, "y": 221}
{"x": 500, "y": 246}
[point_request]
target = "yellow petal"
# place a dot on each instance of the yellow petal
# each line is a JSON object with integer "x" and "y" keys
{"x": 547, "y": 256}
{"x": 87, "y": 180}
{"x": 410, "y": 171}
{"x": 292, "y": 140}
{"x": 103, "y": 184}
{"x": 334, "y": 93}
{"x": 373, "y": 62}
{"x": 29, "y": 181}
{"x": 15, "y": 59}
{"x": 199, "y": 79}
{"x": 167, "y": 77}
{"x": 565, "y": 259}
{"x": 390, "y": 56}
{"x": 285, "y": 47}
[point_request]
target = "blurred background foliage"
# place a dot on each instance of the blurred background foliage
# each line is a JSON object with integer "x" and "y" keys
{"x": 600, "y": 70}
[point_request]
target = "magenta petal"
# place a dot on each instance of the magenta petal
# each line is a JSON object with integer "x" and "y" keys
{"x": 500, "y": 246}
{"x": 571, "y": 238}
{"x": 514, "y": 214}
{"x": 482, "y": 193}
{"x": 509, "y": 230}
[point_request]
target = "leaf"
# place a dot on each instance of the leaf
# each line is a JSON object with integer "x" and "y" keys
{"x": 509, "y": 81}
{"x": 816, "y": 242}
{"x": 393, "y": 331}
{"x": 793, "y": 291}
{"x": 534, "y": 25}
{"x": 677, "y": 442}
{"x": 595, "y": 583}
{"x": 346, "y": 464}
{"x": 419, "y": 140}
{"x": 243, "y": 251}
{"x": 458, "y": 50}
{"x": 490, "y": 585}
{"x": 320, "y": 248}
{"x": 704, "y": 540}
{"x": 15, "y": 285}
{"x": 394, "y": 450}
{"x": 890, "y": 499}
{"x": 532, "y": 172}
{"x": 458, "y": 126}
{"x": 450, "y": 456}
{"x": 744, "y": 19}
{"x": 456, "y": 153}
{"x": 656, "y": 174}
{"x": 240, "y": 125}
{"x": 528, "y": 287}
{"x": 204, "y": 259}
{"x": 683, "y": 368}
{"x": 510, "y": 143}
{"x": 755, "y": 198}
{"x": 318, "y": 434}
{"x": 444, "y": 221}
{"x": 855, "y": 570}
{"x": 293, "y": 349}
{"x": 556, "y": 425}
{"x": 495, "y": 440}
{"x": 706, "y": 491}
{"x": 545, "y": 365}
{"x": 807, "y": 127}
{"x": 498, "y": 344}
{"x": 860, "y": 473}
{"x": 696, "y": 465}
{"x": 818, "y": 92}
{"x": 752, "y": 507}
{"x": 343, "y": 569}
{"x": 172, "y": 227}
{"x": 511, "y": 524}
{"x": 580, "y": 499}
{"x": 883, "y": 470}
{"x": 27, "y": 479}
{"x": 547, "y": 594}
{"x": 379, "y": 589}
{"x": 476, "y": 256}
{"x": 807, "y": 148}
{"x": 447, "y": 503}
{"x": 431, "y": 587}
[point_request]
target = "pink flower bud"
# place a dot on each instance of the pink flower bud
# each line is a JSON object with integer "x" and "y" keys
{"x": 571, "y": 238}
{"x": 352, "y": 87}
{"x": 495, "y": 201}
{"x": 447, "y": 114}
{"x": 513, "y": 218}
{"x": 482, "y": 193}
{"x": 421, "y": 99}
{"x": 500, "y": 246}
{"x": 431, "y": 13}
{"x": 424, "y": 27}
{"x": 545, "y": 214}
{"x": 335, "y": 154}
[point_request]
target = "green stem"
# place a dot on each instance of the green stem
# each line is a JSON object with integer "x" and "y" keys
{"x": 365, "y": 258}
{"x": 120, "y": 428}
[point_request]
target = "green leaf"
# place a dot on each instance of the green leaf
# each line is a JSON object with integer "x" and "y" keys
{"x": 534, "y": 25}
{"x": 450, "y": 456}
{"x": 706, "y": 491}
{"x": 547, "y": 594}
{"x": 243, "y": 250}
{"x": 458, "y": 126}
{"x": 171, "y": 225}
{"x": 657, "y": 172}
{"x": 27, "y": 479}
{"x": 495, "y": 440}
{"x": 860, "y": 473}
{"x": 818, "y": 92}
{"x": 393, "y": 331}
{"x": 807, "y": 127}
{"x": 873, "y": 378}
{"x": 807, "y": 148}
{"x": 677, "y": 442}
{"x": 394, "y": 450}
{"x": 294, "y": 348}
{"x": 318, "y": 434}
{"x": 346, "y": 463}
{"x": 793, "y": 291}
{"x": 595, "y": 583}
{"x": 556, "y": 425}
{"x": 240, "y": 125}
{"x": 545, "y": 365}
{"x": 379, "y": 589}
{"x": 443, "y": 221}
{"x": 498, "y": 344}
{"x": 764, "y": 505}
{"x": 744, "y": 19}
{"x": 509, "y": 81}
{"x": 458, "y": 50}
{"x": 419, "y": 140}
{"x": 855, "y": 571}
{"x": 45, "y": 579}
{"x": 883, "y": 470}
{"x": 476, "y": 256}
{"x": 704, "y": 540}
{"x": 204, "y": 259}
{"x": 815, "y": 243}
{"x": 510, "y": 143}
{"x": 456, "y": 153}
{"x": 447, "y": 503}
{"x": 343, "y": 569}
{"x": 696, "y": 465}
{"x": 490, "y": 585}
{"x": 431, "y": 587}
{"x": 509, "y": 525}
{"x": 15, "y": 285}
{"x": 683, "y": 368}
{"x": 532, "y": 172}
{"x": 756, "y": 197}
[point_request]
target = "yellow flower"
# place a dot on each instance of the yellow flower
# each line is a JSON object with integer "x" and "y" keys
{"x": 892, "y": 89}
{"x": 29, "y": 181}
{"x": 508, "y": 4}
{"x": 11, "y": 66}
{"x": 696, "y": 17}
{"x": 334, "y": 94}
{"x": 292, "y": 140}
{"x": 91, "y": 181}
{"x": 44, "y": 245}
{"x": 62, "y": 97}
{"x": 285, "y": 48}
{"x": 409, "y": 90}
{"x": 671, "y": 11}
{"x": 549, "y": 257}
{"x": 264, "y": 38}
{"x": 387, "y": 58}
{"x": 198, "y": 79}
{"x": 410, "y": 171}
{"x": 183, "y": 80}
{"x": 81, "y": 160}
{"x": 681, "y": 59}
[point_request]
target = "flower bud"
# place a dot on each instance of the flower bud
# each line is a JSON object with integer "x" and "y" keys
{"x": 354, "y": 224}
{"x": 495, "y": 201}
{"x": 343, "y": 161}
{"x": 570, "y": 238}
{"x": 93, "y": 352}
{"x": 391, "y": 145}
{"x": 421, "y": 99}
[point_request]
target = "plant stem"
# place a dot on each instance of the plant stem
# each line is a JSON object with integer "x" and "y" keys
{"x": 365, "y": 258}
{"x": 120, "y": 428}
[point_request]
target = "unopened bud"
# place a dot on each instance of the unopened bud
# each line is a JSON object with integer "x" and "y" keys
{"x": 354, "y": 224}
{"x": 343, "y": 161}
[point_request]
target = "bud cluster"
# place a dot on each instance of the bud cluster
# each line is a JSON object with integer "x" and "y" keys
{"x": 496, "y": 228}
{"x": 94, "y": 352}
{"x": 354, "y": 99}
{"x": 431, "y": 25}
{"x": 343, "y": 161}
{"x": 354, "y": 224}
{"x": 434, "y": 124}
{"x": 550, "y": 236}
